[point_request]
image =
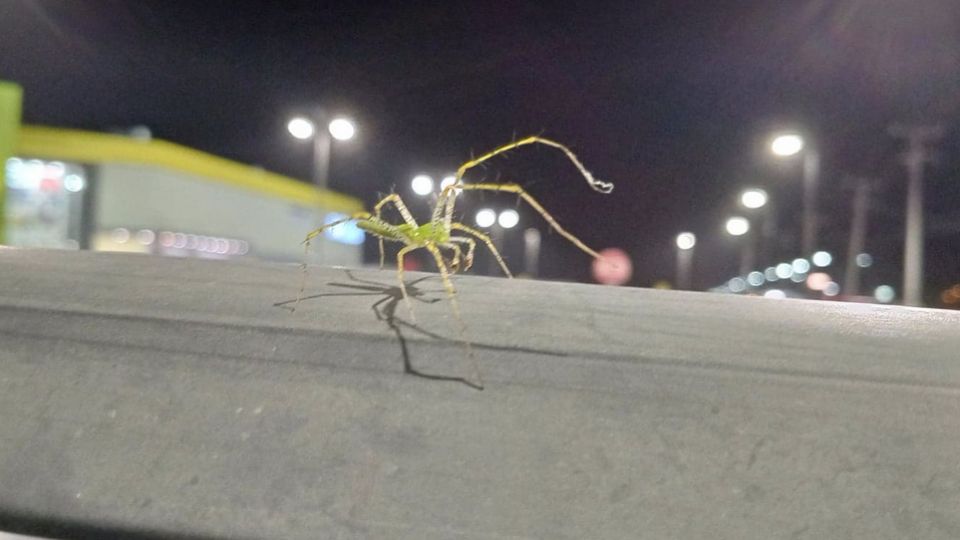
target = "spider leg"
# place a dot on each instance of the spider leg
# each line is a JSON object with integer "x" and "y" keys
{"x": 596, "y": 184}
{"x": 455, "y": 306}
{"x": 486, "y": 240}
{"x": 403, "y": 287}
{"x": 514, "y": 188}
{"x": 471, "y": 248}
{"x": 359, "y": 216}
{"x": 404, "y": 213}
{"x": 457, "y": 260}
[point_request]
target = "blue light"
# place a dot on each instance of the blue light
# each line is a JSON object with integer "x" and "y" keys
{"x": 345, "y": 233}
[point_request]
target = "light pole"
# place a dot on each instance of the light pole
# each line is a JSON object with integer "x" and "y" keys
{"x": 339, "y": 128}
{"x": 790, "y": 144}
{"x": 914, "y": 159}
{"x": 757, "y": 201}
{"x": 685, "y": 244}
{"x": 487, "y": 218}
{"x": 740, "y": 226}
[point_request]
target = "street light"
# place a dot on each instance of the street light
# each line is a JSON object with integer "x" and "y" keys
{"x": 737, "y": 226}
{"x": 342, "y": 129}
{"x": 685, "y": 244}
{"x": 786, "y": 144}
{"x": 486, "y": 217}
{"x": 508, "y": 219}
{"x": 303, "y": 128}
{"x": 422, "y": 185}
{"x": 791, "y": 144}
{"x": 753, "y": 198}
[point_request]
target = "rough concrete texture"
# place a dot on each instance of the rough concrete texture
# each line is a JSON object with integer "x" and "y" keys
{"x": 162, "y": 396}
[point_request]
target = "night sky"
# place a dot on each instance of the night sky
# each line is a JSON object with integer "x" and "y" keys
{"x": 671, "y": 100}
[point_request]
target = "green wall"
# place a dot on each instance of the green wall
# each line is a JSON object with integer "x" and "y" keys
{"x": 11, "y": 98}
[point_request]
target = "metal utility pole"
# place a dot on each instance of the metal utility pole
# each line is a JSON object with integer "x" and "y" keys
{"x": 322, "y": 141}
{"x": 684, "y": 262}
{"x": 811, "y": 179}
{"x": 916, "y": 156}
{"x": 531, "y": 252}
{"x": 858, "y": 232}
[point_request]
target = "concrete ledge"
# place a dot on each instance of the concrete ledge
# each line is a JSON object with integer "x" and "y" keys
{"x": 164, "y": 397}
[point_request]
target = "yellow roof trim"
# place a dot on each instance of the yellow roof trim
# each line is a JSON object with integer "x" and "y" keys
{"x": 91, "y": 147}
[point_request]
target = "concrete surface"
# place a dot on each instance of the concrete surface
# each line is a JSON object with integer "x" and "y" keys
{"x": 162, "y": 397}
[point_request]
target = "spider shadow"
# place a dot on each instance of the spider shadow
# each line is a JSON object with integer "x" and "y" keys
{"x": 385, "y": 310}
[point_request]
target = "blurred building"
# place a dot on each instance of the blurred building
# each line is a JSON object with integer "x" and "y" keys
{"x": 82, "y": 190}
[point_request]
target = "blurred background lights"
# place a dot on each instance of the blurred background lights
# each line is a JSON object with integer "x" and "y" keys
{"x": 146, "y": 236}
{"x": 753, "y": 198}
{"x": 55, "y": 169}
{"x": 74, "y": 183}
{"x": 686, "y": 240}
{"x": 486, "y": 217}
{"x": 800, "y": 266}
{"x": 344, "y": 233}
{"x": 737, "y": 285}
{"x": 770, "y": 274}
{"x": 342, "y": 129}
{"x": 775, "y": 294}
{"x": 120, "y": 235}
{"x": 738, "y": 226}
{"x": 831, "y": 289}
{"x": 864, "y": 260}
{"x": 422, "y": 184}
{"x": 786, "y": 144}
{"x": 755, "y": 279}
{"x": 884, "y": 294}
{"x": 301, "y": 128}
{"x": 508, "y": 219}
{"x": 822, "y": 258}
{"x": 784, "y": 270}
{"x": 798, "y": 278}
{"x": 818, "y": 281}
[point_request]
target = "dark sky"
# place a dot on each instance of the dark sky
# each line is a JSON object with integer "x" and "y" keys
{"x": 671, "y": 100}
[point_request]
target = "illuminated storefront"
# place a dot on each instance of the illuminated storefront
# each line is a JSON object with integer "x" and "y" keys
{"x": 71, "y": 189}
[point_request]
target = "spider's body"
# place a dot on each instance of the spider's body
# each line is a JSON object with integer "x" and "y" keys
{"x": 436, "y": 236}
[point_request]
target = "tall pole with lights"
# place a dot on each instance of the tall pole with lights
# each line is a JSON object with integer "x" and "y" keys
{"x": 790, "y": 144}
{"x": 740, "y": 226}
{"x": 322, "y": 133}
{"x": 915, "y": 158}
{"x": 686, "y": 241}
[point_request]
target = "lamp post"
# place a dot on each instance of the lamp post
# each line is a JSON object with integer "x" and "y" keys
{"x": 790, "y": 144}
{"x": 757, "y": 201}
{"x": 916, "y": 157}
{"x": 685, "y": 244}
{"x": 488, "y": 218}
{"x": 339, "y": 128}
{"x": 739, "y": 226}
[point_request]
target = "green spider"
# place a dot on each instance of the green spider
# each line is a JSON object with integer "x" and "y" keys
{"x": 437, "y": 235}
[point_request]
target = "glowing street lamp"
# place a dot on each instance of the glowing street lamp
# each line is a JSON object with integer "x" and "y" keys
{"x": 737, "y": 226}
{"x": 422, "y": 185}
{"x": 508, "y": 219}
{"x": 787, "y": 145}
{"x": 342, "y": 129}
{"x": 486, "y": 217}
{"x": 753, "y": 198}
{"x": 303, "y": 128}
{"x": 685, "y": 243}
